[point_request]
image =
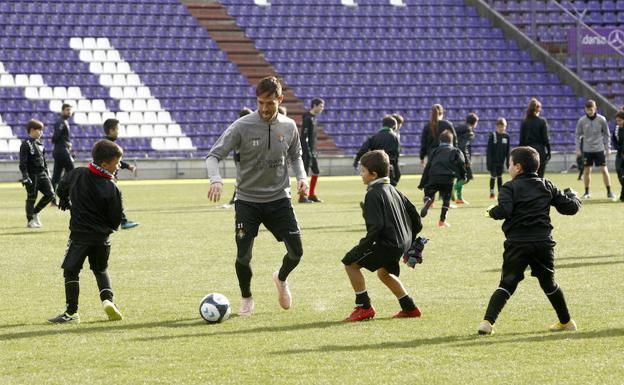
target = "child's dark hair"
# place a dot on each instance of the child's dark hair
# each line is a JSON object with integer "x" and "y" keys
{"x": 33, "y": 124}
{"x": 527, "y": 157}
{"x": 316, "y": 102}
{"x": 620, "y": 115}
{"x": 109, "y": 124}
{"x": 376, "y": 161}
{"x": 244, "y": 111}
{"x": 472, "y": 119}
{"x": 105, "y": 151}
{"x": 269, "y": 85}
{"x": 590, "y": 103}
{"x": 389, "y": 121}
{"x": 446, "y": 136}
{"x": 66, "y": 105}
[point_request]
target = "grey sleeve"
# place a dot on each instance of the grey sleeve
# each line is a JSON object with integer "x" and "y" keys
{"x": 606, "y": 135}
{"x": 579, "y": 134}
{"x": 212, "y": 166}
{"x": 227, "y": 142}
{"x": 294, "y": 155}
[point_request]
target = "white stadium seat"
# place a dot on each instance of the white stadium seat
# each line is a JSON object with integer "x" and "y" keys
{"x": 98, "y": 105}
{"x": 153, "y": 105}
{"x": 55, "y": 106}
{"x": 160, "y": 130}
{"x": 123, "y": 68}
{"x": 116, "y": 92}
{"x": 7, "y": 80}
{"x": 123, "y": 117}
{"x": 86, "y": 56}
{"x": 106, "y": 80}
{"x": 174, "y": 130}
{"x": 130, "y": 92}
{"x": 113, "y": 55}
{"x": 140, "y": 105}
{"x": 108, "y": 115}
{"x": 4, "y": 145}
{"x": 125, "y": 105}
{"x": 99, "y": 55}
{"x": 31, "y": 93}
{"x": 158, "y": 144}
{"x": 79, "y": 117}
{"x": 14, "y": 145}
{"x": 36, "y": 80}
{"x": 109, "y": 68}
{"x": 94, "y": 118}
{"x": 84, "y": 105}
{"x": 74, "y": 93}
{"x": 164, "y": 117}
{"x": 144, "y": 92}
{"x": 147, "y": 130}
{"x": 46, "y": 93}
{"x": 133, "y": 80}
{"x": 133, "y": 131}
{"x": 89, "y": 43}
{"x": 171, "y": 144}
{"x": 136, "y": 117}
{"x": 60, "y": 93}
{"x": 6, "y": 132}
{"x": 96, "y": 68}
{"x": 150, "y": 117}
{"x": 119, "y": 80}
{"x": 21, "y": 80}
{"x": 103, "y": 43}
{"x": 75, "y": 43}
{"x": 184, "y": 143}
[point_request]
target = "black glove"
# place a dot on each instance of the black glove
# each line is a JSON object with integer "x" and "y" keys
{"x": 26, "y": 181}
{"x": 570, "y": 193}
{"x": 64, "y": 204}
{"x": 414, "y": 256}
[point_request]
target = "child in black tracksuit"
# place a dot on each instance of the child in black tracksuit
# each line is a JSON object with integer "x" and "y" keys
{"x": 524, "y": 203}
{"x": 445, "y": 164}
{"x": 618, "y": 142}
{"x": 497, "y": 155}
{"x": 95, "y": 204}
{"x": 392, "y": 224}
{"x": 35, "y": 174}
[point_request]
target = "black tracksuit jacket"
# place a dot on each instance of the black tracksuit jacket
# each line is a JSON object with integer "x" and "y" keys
{"x": 96, "y": 205}
{"x": 427, "y": 140}
{"x": 61, "y": 137}
{"x": 32, "y": 158}
{"x": 385, "y": 139}
{"x": 445, "y": 164}
{"x": 391, "y": 220}
{"x": 122, "y": 164}
{"x": 534, "y": 133}
{"x": 497, "y": 151}
{"x": 465, "y": 135}
{"x": 524, "y": 203}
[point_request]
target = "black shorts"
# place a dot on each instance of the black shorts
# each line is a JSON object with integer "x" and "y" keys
{"x": 78, "y": 251}
{"x": 518, "y": 255}
{"x": 277, "y": 216}
{"x": 310, "y": 163}
{"x": 443, "y": 188}
{"x": 597, "y": 159}
{"x": 496, "y": 170}
{"x": 377, "y": 257}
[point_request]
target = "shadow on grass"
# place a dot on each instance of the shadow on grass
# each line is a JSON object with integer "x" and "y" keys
{"x": 100, "y": 326}
{"x": 462, "y": 341}
{"x": 589, "y": 257}
{"x": 573, "y": 265}
{"x": 33, "y": 232}
{"x": 262, "y": 329}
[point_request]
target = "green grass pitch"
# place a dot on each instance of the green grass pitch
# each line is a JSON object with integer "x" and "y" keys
{"x": 185, "y": 249}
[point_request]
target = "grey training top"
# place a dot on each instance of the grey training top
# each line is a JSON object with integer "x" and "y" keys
{"x": 595, "y": 134}
{"x": 265, "y": 149}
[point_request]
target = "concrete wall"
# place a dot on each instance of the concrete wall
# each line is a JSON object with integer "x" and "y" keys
{"x": 195, "y": 168}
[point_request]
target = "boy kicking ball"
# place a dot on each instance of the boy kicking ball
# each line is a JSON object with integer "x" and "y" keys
{"x": 392, "y": 223}
{"x": 524, "y": 203}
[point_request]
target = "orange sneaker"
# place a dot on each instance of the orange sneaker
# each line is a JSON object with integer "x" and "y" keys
{"x": 361, "y": 314}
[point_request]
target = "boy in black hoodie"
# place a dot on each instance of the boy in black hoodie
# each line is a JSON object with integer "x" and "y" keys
{"x": 524, "y": 203}
{"x": 497, "y": 155}
{"x": 618, "y": 142}
{"x": 92, "y": 196}
{"x": 35, "y": 174}
{"x": 392, "y": 225}
{"x": 445, "y": 164}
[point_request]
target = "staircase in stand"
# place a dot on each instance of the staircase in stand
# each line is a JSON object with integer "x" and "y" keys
{"x": 251, "y": 63}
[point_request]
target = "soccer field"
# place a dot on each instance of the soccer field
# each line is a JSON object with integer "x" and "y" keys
{"x": 184, "y": 249}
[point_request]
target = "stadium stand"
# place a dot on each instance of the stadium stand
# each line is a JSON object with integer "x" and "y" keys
{"x": 603, "y": 70}
{"x": 151, "y": 65}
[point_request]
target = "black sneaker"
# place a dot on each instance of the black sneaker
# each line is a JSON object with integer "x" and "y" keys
{"x": 304, "y": 200}
{"x": 314, "y": 198}
{"x": 427, "y": 203}
{"x": 65, "y": 318}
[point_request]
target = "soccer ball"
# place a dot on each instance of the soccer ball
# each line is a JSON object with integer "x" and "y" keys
{"x": 214, "y": 308}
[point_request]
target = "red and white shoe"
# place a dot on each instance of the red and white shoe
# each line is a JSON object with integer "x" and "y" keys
{"x": 408, "y": 314}
{"x": 361, "y": 314}
{"x": 283, "y": 292}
